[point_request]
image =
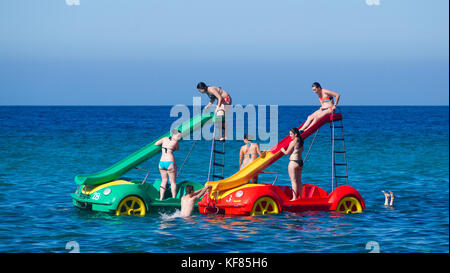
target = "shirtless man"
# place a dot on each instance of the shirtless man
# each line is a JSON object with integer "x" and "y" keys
{"x": 189, "y": 199}
{"x": 223, "y": 101}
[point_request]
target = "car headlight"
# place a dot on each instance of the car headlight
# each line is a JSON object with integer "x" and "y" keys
{"x": 107, "y": 191}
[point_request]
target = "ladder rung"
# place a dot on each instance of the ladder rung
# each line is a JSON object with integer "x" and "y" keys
{"x": 339, "y": 126}
{"x": 338, "y": 139}
{"x": 219, "y": 152}
{"x": 218, "y": 176}
{"x": 340, "y": 164}
{"x": 341, "y": 176}
{"x": 218, "y": 164}
{"x": 339, "y": 152}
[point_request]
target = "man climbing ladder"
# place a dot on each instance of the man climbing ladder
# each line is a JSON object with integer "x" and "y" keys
{"x": 223, "y": 102}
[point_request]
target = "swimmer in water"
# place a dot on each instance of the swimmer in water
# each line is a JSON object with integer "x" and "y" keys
{"x": 189, "y": 199}
{"x": 386, "y": 198}
{"x": 167, "y": 165}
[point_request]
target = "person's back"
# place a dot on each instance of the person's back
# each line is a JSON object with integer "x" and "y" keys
{"x": 167, "y": 166}
{"x": 188, "y": 200}
{"x": 168, "y": 146}
{"x": 248, "y": 152}
{"x": 187, "y": 205}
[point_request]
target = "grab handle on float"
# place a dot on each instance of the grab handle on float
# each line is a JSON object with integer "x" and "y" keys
{"x": 276, "y": 177}
{"x": 145, "y": 179}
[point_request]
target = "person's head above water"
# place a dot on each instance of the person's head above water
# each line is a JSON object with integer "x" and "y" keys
{"x": 202, "y": 87}
{"x": 189, "y": 189}
{"x": 295, "y": 133}
{"x": 316, "y": 87}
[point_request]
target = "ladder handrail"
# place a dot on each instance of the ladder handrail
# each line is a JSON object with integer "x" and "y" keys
{"x": 332, "y": 156}
{"x": 276, "y": 177}
{"x": 148, "y": 172}
{"x": 212, "y": 148}
{"x": 334, "y": 175}
{"x": 310, "y": 146}
{"x": 212, "y": 159}
{"x": 345, "y": 154}
{"x": 186, "y": 158}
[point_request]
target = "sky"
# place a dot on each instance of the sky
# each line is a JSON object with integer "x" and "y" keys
{"x": 154, "y": 52}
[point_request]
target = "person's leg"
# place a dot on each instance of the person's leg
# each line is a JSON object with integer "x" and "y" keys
{"x": 172, "y": 171}
{"x": 392, "y": 199}
{"x": 226, "y": 108}
{"x": 386, "y": 198}
{"x": 299, "y": 182}
{"x": 318, "y": 115}
{"x": 220, "y": 122}
{"x": 307, "y": 122}
{"x": 222, "y": 112}
{"x": 310, "y": 119}
{"x": 162, "y": 187}
{"x": 292, "y": 174}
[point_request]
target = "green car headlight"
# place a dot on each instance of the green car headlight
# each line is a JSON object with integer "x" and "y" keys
{"x": 107, "y": 191}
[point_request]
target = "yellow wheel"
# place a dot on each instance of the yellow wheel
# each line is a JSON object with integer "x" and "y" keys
{"x": 349, "y": 204}
{"x": 131, "y": 205}
{"x": 264, "y": 205}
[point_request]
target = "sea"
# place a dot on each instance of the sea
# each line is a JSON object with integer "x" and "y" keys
{"x": 403, "y": 149}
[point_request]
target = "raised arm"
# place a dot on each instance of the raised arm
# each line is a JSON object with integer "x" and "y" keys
{"x": 160, "y": 142}
{"x": 241, "y": 156}
{"x": 333, "y": 94}
{"x": 290, "y": 148}
{"x": 215, "y": 92}
{"x": 210, "y": 103}
{"x": 199, "y": 193}
{"x": 258, "y": 150}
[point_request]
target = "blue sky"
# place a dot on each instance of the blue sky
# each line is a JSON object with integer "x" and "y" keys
{"x": 144, "y": 52}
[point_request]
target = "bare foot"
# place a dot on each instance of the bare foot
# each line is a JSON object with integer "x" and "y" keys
{"x": 386, "y": 198}
{"x": 392, "y": 199}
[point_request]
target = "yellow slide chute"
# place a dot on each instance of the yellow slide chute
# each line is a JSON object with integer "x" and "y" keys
{"x": 245, "y": 174}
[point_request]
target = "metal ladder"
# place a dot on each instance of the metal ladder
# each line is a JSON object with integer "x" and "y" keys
{"x": 216, "y": 165}
{"x": 339, "y": 158}
{"x": 217, "y": 159}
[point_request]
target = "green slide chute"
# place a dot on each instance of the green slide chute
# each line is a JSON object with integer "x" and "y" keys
{"x": 137, "y": 158}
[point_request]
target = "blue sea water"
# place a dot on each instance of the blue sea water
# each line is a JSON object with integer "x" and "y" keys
{"x": 399, "y": 149}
